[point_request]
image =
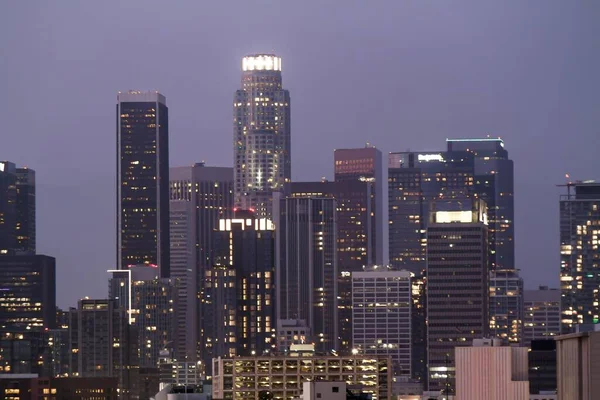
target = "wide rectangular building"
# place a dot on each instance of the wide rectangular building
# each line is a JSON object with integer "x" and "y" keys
{"x": 143, "y": 181}
{"x": 283, "y": 376}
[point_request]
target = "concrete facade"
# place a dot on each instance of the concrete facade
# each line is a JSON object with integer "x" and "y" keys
{"x": 578, "y": 365}
{"x": 491, "y": 371}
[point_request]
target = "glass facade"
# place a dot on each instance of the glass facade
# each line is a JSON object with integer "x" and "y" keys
{"x": 261, "y": 135}
{"x": 239, "y": 300}
{"x": 306, "y": 270}
{"x": 579, "y": 255}
{"x": 354, "y": 227}
{"x": 142, "y": 181}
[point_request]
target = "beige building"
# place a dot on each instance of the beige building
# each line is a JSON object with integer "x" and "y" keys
{"x": 283, "y": 376}
{"x": 490, "y": 371}
{"x": 578, "y": 365}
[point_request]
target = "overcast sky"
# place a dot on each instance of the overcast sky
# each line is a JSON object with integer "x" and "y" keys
{"x": 398, "y": 74}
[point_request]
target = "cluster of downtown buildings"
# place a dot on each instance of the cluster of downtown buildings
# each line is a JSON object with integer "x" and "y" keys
{"x": 231, "y": 272}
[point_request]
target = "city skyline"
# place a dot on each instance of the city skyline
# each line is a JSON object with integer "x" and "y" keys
{"x": 68, "y": 178}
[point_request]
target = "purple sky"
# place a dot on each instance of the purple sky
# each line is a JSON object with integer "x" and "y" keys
{"x": 401, "y": 75}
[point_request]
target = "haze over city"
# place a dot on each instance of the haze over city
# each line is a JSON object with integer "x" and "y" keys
{"x": 398, "y": 75}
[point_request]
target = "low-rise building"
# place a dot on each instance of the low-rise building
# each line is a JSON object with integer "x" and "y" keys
{"x": 283, "y": 376}
{"x": 578, "y": 364}
{"x": 490, "y": 371}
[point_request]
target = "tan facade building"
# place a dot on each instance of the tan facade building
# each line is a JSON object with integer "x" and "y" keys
{"x": 578, "y": 365}
{"x": 490, "y": 371}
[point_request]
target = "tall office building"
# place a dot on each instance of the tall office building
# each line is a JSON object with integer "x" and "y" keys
{"x": 354, "y": 228}
{"x": 153, "y": 310}
{"x": 457, "y": 284}
{"x": 542, "y": 314}
{"x": 17, "y": 209}
{"x": 506, "y": 305}
{"x": 239, "y": 300}
{"x": 143, "y": 180}
{"x": 579, "y": 255}
{"x": 25, "y": 226}
{"x": 306, "y": 265}
{"x": 414, "y": 181}
{"x": 494, "y": 182}
{"x": 102, "y": 342}
{"x": 27, "y": 311}
{"x": 199, "y": 197}
{"x": 381, "y": 305}
{"x": 261, "y": 134}
{"x": 8, "y": 211}
{"x": 365, "y": 164}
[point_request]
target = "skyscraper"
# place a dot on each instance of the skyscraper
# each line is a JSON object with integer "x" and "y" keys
{"x": 27, "y": 311}
{"x": 365, "y": 164}
{"x": 143, "y": 180}
{"x": 239, "y": 299}
{"x": 25, "y": 227}
{"x": 414, "y": 181}
{"x": 8, "y": 211}
{"x": 199, "y": 197}
{"x": 306, "y": 266}
{"x": 354, "y": 228}
{"x": 494, "y": 183}
{"x": 381, "y": 308}
{"x": 261, "y": 134}
{"x": 17, "y": 209}
{"x": 103, "y": 344}
{"x": 457, "y": 284}
{"x": 153, "y": 310}
{"x": 579, "y": 255}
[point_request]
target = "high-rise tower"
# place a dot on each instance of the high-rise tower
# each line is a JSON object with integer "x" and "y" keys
{"x": 261, "y": 134}
{"x": 143, "y": 180}
{"x": 579, "y": 255}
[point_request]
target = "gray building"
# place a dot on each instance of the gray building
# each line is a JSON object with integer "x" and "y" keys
{"x": 261, "y": 134}
{"x": 239, "y": 301}
{"x": 354, "y": 229}
{"x": 143, "y": 181}
{"x": 366, "y": 165}
{"x": 153, "y": 310}
{"x": 381, "y": 308}
{"x": 579, "y": 233}
{"x": 542, "y": 314}
{"x": 17, "y": 209}
{"x": 506, "y": 305}
{"x": 199, "y": 196}
{"x": 306, "y": 265}
{"x": 457, "y": 285}
{"x": 102, "y": 342}
{"x": 494, "y": 182}
{"x": 27, "y": 311}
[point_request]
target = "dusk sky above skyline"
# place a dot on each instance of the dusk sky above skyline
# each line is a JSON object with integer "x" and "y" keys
{"x": 400, "y": 75}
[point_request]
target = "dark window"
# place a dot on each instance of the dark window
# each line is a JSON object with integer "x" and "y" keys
{"x": 335, "y": 389}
